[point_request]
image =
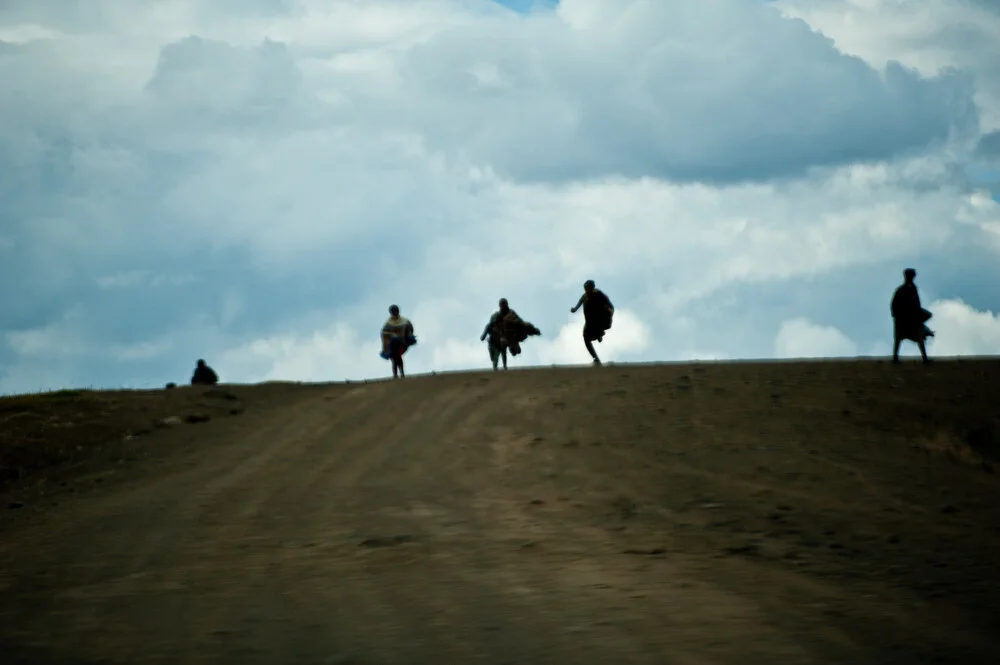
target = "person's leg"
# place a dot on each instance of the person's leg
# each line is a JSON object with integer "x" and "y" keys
{"x": 494, "y": 356}
{"x": 396, "y": 351}
{"x": 590, "y": 347}
{"x": 503, "y": 354}
{"x": 923, "y": 351}
{"x": 895, "y": 348}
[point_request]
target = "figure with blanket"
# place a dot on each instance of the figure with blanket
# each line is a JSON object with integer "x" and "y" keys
{"x": 909, "y": 317}
{"x": 597, "y": 314}
{"x": 397, "y": 337}
{"x": 506, "y": 331}
{"x": 204, "y": 375}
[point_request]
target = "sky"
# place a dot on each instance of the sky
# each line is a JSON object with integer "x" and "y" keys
{"x": 254, "y": 182}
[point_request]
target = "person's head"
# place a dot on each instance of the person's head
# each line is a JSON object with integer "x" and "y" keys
{"x": 503, "y": 305}
{"x": 909, "y": 274}
{"x": 394, "y": 310}
{"x": 201, "y": 363}
{"x": 588, "y": 286}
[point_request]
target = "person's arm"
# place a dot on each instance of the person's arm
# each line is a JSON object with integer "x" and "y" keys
{"x": 486, "y": 330}
{"x": 386, "y": 335}
{"x": 579, "y": 303}
{"x": 213, "y": 376}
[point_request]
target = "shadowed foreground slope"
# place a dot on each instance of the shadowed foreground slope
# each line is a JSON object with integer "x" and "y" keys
{"x": 731, "y": 513}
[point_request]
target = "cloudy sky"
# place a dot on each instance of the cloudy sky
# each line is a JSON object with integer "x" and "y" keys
{"x": 255, "y": 181}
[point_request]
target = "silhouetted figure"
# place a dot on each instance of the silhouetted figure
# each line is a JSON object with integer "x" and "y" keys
{"x": 397, "y": 337}
{"x": 909, "y": 317}
{"x": 204, "y": 375}
{"x": 506, "y": 330}
{"x": 597, "y": 314}
{"x": 493, "y": 331}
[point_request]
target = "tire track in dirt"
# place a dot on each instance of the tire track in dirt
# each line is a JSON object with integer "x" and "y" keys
{"x": 406, "y": 481}
{"x": 118, "y": 561}
{"x": 451, "y": 519}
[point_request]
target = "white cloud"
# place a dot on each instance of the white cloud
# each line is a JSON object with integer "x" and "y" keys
{"x": 338, "y": 351}
{"x": 628, "y": 336}
{"x": 334, "y": 351}
{"x": 961, "y": 330}
{"x": 255, "y": 183}
{"x": 929, "y": 35}
{"x": 799, "y": 338}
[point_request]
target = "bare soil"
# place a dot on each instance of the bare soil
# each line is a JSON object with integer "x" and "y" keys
{"x": 772, "y": 513}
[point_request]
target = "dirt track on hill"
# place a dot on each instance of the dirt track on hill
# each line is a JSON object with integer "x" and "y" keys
{"x": 773, "y": 514}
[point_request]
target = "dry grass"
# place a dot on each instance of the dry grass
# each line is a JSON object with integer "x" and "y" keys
{"x": 797, "y": 512}
{"x": 61, "y": 430}
{"x": 948, "y": 410}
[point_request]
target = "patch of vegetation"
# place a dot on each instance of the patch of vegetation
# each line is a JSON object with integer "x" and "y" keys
{"x": 61, "y": 428}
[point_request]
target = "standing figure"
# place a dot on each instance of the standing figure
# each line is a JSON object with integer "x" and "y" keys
{"x": 493, "y": 333}
{"x": 597, "y": 314}
{"x": 397, "y": 337}
{"x": 204, "y": 375}
{"x": 909, "y": 317}
{"x": 506, "y": 330}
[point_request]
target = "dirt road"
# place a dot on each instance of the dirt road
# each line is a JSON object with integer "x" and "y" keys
{"x": 672, "y": 515}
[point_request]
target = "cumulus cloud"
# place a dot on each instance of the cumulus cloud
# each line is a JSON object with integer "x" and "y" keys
{"x": 962, "y": 330}
{"x": 339, "y": 351}
{"x": 630, "y": 337}
{"x": 255, "y": 183}
{"x": 800, "y": 338}
{"x": 930, "y": 36}
{"x": 686, "y": 90}
{"x": 316, "y": 356}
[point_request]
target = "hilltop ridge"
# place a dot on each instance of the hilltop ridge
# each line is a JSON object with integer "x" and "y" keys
{"x": 807, "y": 512}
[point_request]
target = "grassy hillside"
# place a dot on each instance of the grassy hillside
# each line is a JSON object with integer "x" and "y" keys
{"x": 712, "y": 513}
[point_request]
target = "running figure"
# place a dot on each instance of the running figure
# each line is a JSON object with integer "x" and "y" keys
{"x": 506, "y": 330}
{"x": 397, "y": 337}
{"x": 597, "y": 313}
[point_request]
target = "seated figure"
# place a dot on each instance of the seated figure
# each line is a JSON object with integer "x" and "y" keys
{"x": 204, "y": 375}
